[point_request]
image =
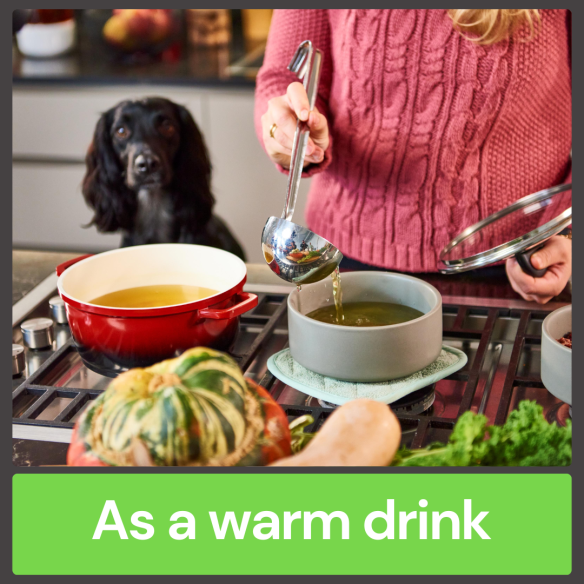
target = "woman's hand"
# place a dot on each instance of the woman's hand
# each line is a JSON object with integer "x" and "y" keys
{"x": 283, "y": 111}
{"x": 556, "y": 256}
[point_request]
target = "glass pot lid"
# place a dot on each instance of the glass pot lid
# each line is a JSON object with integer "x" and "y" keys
{"x": 515, "y": 230}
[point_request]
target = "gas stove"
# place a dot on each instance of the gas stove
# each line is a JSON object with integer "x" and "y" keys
{"x": 502, "y": 339}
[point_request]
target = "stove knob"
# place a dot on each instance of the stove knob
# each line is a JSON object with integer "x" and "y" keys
{"x": 18, "y": 362}
{"x": 58, "y": 311}
{"x": 37, "y": 333}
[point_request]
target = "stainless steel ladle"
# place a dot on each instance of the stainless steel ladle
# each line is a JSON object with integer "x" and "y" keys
{"x": 294, "y": 253}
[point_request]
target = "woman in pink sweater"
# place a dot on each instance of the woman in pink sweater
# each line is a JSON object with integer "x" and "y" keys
{"x": 426, "y": 121}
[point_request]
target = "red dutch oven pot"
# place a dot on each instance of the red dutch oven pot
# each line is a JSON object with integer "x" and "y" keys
{"x": 111, "y": 339}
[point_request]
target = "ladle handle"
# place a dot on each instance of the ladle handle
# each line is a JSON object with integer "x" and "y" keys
{"x": 524, "y": 261}
{"x": 301, "y": 139}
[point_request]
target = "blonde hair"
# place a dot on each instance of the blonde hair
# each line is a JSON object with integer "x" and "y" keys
{"x": 489, "y": 26}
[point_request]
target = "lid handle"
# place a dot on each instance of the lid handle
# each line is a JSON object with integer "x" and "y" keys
{"x": 524, "y": 261}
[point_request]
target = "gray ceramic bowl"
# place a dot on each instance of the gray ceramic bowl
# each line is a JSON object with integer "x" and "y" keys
{"x": 556, "y": 360}
{"x": 370, "y": 353}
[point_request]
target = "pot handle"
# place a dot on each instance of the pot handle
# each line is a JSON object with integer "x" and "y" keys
{"x": 62, "y": 267}
{"x": 247, "y": 302}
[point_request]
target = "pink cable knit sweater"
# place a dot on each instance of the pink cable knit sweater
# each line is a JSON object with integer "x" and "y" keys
{"x": 430, "y": 132}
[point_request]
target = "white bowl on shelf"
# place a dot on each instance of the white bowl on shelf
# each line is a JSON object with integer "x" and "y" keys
{"x": 46, "y": 40}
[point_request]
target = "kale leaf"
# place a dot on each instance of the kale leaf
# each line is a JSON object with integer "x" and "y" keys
{"x": 526, "y": 439}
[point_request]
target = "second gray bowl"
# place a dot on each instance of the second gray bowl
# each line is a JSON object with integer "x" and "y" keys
{"x": 370, "y": 353}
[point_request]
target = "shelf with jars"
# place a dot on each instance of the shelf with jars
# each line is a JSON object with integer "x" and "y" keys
{"x": 174, "y": 47}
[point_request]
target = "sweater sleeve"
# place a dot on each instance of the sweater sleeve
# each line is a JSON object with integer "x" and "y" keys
{"x": 288, "y": 29}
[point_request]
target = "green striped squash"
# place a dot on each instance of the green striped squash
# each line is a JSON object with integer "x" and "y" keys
{"x": 194, "y": 410}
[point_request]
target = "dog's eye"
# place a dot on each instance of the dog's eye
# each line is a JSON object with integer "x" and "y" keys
{"x": 122, "y": 132}
{"x": 167, "y": 128}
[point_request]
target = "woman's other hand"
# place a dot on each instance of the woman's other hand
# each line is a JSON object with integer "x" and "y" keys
{"x": 283, "y": 112}
{"x": 556, "y": 256}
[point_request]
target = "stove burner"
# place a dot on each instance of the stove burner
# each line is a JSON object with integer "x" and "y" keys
{"x": 413, "y": 404}
{"x": 321, "y": 403}
{"x": 559, "y": 413}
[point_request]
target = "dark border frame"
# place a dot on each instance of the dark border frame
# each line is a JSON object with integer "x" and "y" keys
{"x": 8, "y": 470}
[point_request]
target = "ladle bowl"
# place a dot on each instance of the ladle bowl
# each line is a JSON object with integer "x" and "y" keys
{"x": 296, "y": 254}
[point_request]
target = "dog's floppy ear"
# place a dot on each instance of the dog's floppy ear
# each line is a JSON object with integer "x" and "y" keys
{"x": 192, "y": 172}
{"x": 104, "y": 188}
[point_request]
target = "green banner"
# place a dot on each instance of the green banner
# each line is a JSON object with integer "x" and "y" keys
{"x": 292, "y": 524}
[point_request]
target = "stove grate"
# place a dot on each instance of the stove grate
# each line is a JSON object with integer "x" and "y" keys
{"x": 32, "y": 399}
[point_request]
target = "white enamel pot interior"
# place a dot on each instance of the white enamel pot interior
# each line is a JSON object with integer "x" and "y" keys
{"x": 150, "y": 265}
{"x": 556, "y": 360}
{"x": 370, "y": 353}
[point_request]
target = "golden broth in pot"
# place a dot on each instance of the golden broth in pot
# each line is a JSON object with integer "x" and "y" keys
{"x": 153, "y": 296}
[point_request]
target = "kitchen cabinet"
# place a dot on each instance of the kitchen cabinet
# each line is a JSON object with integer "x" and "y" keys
{"x": 55, "y": 123}
{"x": 52, "y": 128}
{"x": 48, "y": 210}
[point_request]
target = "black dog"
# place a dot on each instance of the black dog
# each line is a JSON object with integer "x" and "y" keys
{"x": 148, "y": 175}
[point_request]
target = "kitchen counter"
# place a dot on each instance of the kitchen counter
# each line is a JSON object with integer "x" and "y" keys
{"x": 30, "y": 268}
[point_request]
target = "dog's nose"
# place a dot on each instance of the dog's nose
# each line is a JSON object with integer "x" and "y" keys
{"x": 146, "y": 163}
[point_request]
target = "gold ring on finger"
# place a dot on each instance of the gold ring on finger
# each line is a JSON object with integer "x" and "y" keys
{"x": 272, "y": 130}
